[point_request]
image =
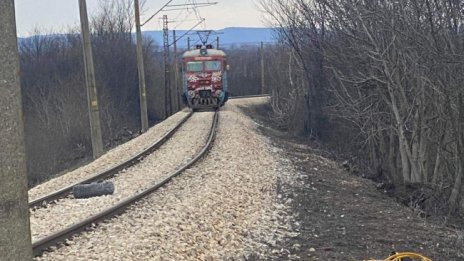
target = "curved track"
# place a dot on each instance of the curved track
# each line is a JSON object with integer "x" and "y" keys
{"x": 111, "y": 172}
{"x": 53, "y": 239}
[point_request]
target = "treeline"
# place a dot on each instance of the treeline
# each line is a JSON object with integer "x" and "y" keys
{"x": 380, "y": 81}
{"x": 54, "y": 92}
{"x": 244, "y": 74}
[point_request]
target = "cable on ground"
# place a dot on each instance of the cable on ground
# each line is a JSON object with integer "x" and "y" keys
{"x": 403, "y": 256}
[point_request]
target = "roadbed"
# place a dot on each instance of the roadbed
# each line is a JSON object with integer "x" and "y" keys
{"x": 340, "y": 216}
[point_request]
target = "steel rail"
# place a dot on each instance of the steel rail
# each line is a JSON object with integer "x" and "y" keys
{"x": 37, "y": 203}
{"x": 42, "y": 244}
{"x": 249, "y": 96}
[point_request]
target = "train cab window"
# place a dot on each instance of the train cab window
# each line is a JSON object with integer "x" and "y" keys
{"x": 195, "y": 66}
{"x": 213, "y": 65}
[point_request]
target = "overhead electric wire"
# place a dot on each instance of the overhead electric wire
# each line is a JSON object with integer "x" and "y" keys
{"x": 157, "y": 12}
{"x": 180, "y": 37}
{"x": 196, "y": 42}
{"x": 193, "y": 4}
{"x": 189, "y": 7}
{"x": 190, "y": 4}
{"x": 180, "y": 23}
{"x": 185, "y": 14}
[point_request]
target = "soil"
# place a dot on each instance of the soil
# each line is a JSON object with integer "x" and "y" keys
{"x": 341, "y": 216}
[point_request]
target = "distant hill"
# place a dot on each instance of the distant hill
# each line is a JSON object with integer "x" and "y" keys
{"x": 227, "y": 37}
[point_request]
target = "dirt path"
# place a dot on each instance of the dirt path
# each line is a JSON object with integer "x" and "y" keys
{"x": 344, "y": 217}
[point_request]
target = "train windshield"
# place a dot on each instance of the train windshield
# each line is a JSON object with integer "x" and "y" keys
{"x": 195, "y": 66}
{"x": 213, "y": 65}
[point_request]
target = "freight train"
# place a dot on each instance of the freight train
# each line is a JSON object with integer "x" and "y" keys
{"x": 204, "y": 71}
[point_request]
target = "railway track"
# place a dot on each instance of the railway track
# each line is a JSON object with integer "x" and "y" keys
{"x": 249, "y": 96}
{"x": 60, "y": 236}
{"x": 56, "y": 195}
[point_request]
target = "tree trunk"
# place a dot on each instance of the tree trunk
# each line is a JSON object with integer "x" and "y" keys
{"x": 403, "y": 147}
{"x": 457, "y": 185}
{"x": 392, "y": 159}
{"x": 438, "y": 160}
{"x": 459, "y": 154}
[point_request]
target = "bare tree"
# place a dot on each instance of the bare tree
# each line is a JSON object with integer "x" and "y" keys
{"x": 386, "y": 75}
{"x": 55, "y": 101}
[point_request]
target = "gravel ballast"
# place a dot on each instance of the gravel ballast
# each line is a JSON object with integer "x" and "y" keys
{"x": 109, "y": 159}
{"x": 226, "y": 207}
{"x": 185, "y": 143}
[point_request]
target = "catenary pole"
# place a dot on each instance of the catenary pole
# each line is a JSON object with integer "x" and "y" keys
{"x": 176, "y": 72}
{"x": 15, "y": 237}
{"x": 141, "y": 70}
{"x": 94, "y": 112}
{"x": 262, "y": 68}
{"x": 167, "y": 69}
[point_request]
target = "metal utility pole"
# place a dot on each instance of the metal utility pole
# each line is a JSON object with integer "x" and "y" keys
{"x": 176, "y": 72}
{"x": 94, "y": 113}
{"x": 141, "y": 69}
{"x": 217, "y": 43}
{"x": 262, "y": 67}
{"x": 15, "y": 234}
{"x": 188, "y": 43}
{"x": 167, "y": 77}
{"x": 167, "y": 63}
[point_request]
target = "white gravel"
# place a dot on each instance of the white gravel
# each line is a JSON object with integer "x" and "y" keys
{"x": 110, "y": 159}
{"x": 224, "y": 208}
{"x": 185, "y": 143}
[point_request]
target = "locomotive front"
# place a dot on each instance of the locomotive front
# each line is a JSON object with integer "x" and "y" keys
{"x": 204, "y": 78}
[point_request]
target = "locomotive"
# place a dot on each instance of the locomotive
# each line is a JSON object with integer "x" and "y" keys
{"x": 204, "y": 71}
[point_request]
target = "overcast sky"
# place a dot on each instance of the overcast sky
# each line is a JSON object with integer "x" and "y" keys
{"x": 58, "y": 15}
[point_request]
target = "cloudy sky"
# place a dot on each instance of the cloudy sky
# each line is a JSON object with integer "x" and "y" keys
{"x": 58, "y": 15}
